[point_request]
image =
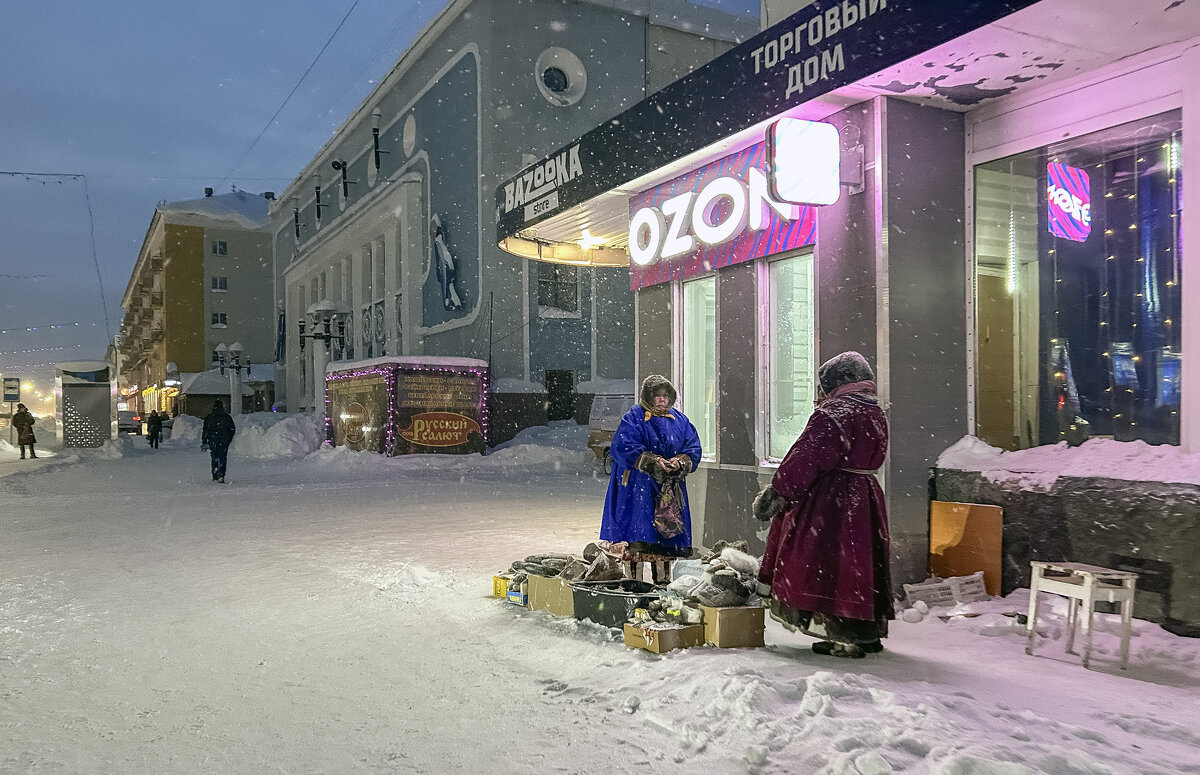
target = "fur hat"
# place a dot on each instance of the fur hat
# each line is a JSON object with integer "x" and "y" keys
{"x": 844, "y": 369}
{"x": 653, "y": 384}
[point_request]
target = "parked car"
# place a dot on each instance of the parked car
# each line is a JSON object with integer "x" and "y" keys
{"x": 129, "y": 422}
{"x": 606, "y": 414}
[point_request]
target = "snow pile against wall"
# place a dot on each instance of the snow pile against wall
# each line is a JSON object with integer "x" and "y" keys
{"x": 1039, "y": 468}
{"x": 562, "y": 444}
{"x": 185, "y": 429}
{"x": 259, "y": 435}
{"x": 270, "y": 435}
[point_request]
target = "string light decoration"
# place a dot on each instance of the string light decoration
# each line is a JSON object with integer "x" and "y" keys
{"x": 391, "y": 373}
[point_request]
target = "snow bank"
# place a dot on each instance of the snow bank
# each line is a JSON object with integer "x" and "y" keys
{"x": 270, "y": 435}
{"x": 1040, "y": 467}
{"x": 259, "y": 435}
{"x": 560, "y": 447}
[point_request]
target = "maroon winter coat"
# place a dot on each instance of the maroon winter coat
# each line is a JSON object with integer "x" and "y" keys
{"x": 828, "y": 551}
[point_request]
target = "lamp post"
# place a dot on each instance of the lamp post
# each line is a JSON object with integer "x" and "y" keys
{"x": 230, "y": 358}
{"x": 327, "y": 319}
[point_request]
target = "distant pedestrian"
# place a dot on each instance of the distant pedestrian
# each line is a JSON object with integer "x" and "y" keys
{"x": 154, "y": 424}
{"x": 23, "y": 422}
{"x": 217, "y": 436}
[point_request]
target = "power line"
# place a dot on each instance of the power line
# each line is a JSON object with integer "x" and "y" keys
{"x": 278, "y": 110}
{"x": 91, "y": 228}
{"x": 96, "y": 259}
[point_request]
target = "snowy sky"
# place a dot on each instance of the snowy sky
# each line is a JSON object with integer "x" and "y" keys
{"x": 154, "y": 103}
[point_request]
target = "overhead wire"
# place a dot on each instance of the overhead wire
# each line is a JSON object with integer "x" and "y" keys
{"x": 290, "y": 94}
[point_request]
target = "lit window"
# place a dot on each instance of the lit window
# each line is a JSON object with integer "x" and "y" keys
{"x": 791, "y": 343}
{"x": 700, "y": 360}
{"x": 1078, "y": 273}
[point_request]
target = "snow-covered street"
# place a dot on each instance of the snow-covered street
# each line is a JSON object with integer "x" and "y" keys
{"x": 329, "y": 612}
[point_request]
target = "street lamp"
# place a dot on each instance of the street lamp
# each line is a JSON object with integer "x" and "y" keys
{"x": 230, "y": 358}
{"x": 327, "y": 319}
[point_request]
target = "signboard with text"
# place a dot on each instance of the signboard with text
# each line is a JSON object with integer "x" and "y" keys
{"x": 12, "y": 389}
{"x": 718, "y": 215}
{"x": 439, "y": 410}
{"x": 820, "y": 48}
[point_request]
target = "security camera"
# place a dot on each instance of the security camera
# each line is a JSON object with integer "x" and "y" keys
{"x": 337, "y": 165}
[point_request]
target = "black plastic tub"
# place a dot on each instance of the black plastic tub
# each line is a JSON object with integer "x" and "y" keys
{"x": 611, "y": 603}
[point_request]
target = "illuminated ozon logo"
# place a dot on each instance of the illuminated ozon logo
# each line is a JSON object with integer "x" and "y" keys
{"x": 717, "y": 213}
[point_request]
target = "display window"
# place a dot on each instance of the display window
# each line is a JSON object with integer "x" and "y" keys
{"x": 1077, "y": 282}
{"x": 699, "y": 362}
{"x": 790, "y": 349}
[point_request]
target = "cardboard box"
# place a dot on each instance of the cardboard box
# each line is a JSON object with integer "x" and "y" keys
{"x": 737, "y": 627}
{"x": 551, "y": 594}
{"x": 965, "y": 538}
{"x": 659, "y": 638}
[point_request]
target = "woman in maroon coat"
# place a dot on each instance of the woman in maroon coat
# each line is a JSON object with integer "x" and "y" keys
{"x": 825, "y": 570}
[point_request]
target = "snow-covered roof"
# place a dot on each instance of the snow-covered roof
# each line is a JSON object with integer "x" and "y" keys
{"x": 242, "y": 208}
{"x": 209, "y": 383}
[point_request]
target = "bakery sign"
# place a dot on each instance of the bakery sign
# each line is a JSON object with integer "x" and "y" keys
{"x": 439, "y": 429}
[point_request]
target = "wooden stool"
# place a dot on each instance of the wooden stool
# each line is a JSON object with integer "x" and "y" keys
{"x": 1083, "y": 586}
{"x": 659, "y": 564}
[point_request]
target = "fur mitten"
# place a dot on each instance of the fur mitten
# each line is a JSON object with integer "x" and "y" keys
{"x": 768, "y": 505}
{"x": 653, "y": 465}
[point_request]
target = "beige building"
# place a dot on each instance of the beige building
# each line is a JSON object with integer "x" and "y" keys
{"x": 202, "y": 279}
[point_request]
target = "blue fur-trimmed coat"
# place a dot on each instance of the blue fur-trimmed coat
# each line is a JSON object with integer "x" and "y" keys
{"x": 629, "y": 504}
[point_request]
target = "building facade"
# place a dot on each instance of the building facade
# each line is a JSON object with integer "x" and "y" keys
{"x": 1003, "y": 240}
{"x": 202, "y": 278}
{"x": 385, "y": 236}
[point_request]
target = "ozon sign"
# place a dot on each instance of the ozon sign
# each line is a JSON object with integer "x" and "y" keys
{"x": 719, "y": 212}
{"x": 728, "y": 211}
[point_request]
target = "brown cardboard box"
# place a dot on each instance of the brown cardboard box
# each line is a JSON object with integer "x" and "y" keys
{"x": 659, "y": 638}
{"x": 731, "y": 628}
{"x": 964, "y": 538}
{"x": 551, "y": 594}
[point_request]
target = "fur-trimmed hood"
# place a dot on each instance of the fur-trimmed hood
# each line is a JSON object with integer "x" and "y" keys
{"x": 844, "y": 369}
{"x": 651, "y": 385}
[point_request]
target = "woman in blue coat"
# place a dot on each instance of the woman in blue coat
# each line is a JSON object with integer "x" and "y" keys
{"x": 653, "y": 445}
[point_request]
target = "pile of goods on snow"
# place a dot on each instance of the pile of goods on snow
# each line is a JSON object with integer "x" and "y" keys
{"x": 599, "y": 584}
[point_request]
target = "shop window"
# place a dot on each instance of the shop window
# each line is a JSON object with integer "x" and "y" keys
{"x": 219, "y": 320}
{"x": 220, "y": 248}
{"x": 558, "y": 287}
{"x": 791, "y": 371}
{"x": 220, "y": 284}
{"x": 699, "y": 389}
{"x": 1077, "y": 273}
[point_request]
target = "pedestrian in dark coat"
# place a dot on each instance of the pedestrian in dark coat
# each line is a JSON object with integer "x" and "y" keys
{"x": 23, "y": 422}
{"x": 655, "y": 446}
{"x": 154, "y": 428}
{"x": 217, "y": 436}
{"x": 826, "y": 568}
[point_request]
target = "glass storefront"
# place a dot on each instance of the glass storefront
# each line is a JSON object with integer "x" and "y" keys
{"x": 699, "y": 397}
{"x": 791, "y": 343}
{"x": 1077, "y": 285}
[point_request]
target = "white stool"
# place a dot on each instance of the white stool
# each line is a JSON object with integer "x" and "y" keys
{"x": 1083, "y": 586}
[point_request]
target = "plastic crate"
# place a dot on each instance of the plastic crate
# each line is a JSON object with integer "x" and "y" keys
{"x": 500, "y": 585}
{"x": 611, "y": 603}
